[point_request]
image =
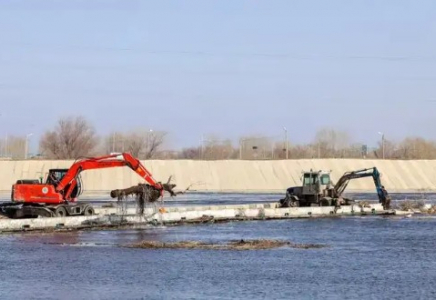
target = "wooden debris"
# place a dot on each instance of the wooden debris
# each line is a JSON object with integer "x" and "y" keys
{"x": 145, "y": 193}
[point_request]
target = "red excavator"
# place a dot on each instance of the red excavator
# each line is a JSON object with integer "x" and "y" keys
{"x": 57, "y": 197}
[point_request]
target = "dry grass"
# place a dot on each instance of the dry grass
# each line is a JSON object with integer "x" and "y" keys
{"x": 233, "y": 245}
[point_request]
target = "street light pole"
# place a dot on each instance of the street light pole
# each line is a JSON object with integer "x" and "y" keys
{"x": 202, "y": 147}
{"x": 240, "y": 148}
{"x": 272, "y": 150}
{"x": 383, "y": 144}
{"x": 286, "y": 142}
{"x": 26, "y": 148}
{"x": 6, "y": 147}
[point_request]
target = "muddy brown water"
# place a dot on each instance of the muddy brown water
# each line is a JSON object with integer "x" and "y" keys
{"x": 368, "y": 257}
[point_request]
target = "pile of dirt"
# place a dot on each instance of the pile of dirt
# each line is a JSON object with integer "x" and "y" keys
{"x": 233, "y": 245}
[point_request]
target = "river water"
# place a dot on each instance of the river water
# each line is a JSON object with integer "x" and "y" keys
{"x": 243, "y": 198}
{"x": 370, "y": 257}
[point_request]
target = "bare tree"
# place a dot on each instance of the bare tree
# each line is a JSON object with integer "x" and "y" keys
{"x": 295, "y": 151}
{"x": 114, "y": 142}
{"x": 417, "y": 148}
{"x": 166, "y": 154}
{"x": 215, "y": 148}
{"x": 75, "y": 137}
{"x": 13, "y": 147}
{"x": 190, "y": 153}
{"x": 390, "y": 150}
{"x": 143, "y": 144}
{"x": 331, "y": 143}
{"x": 154, "y": 142}
{"x": 257, "y": 147}
{"x": 72, "y": 138}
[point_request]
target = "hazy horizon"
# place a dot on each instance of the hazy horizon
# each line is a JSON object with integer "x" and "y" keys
{"x": 229, "y": 68}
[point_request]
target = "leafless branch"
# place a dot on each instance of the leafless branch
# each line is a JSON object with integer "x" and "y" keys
{"x": 72, "y": 138}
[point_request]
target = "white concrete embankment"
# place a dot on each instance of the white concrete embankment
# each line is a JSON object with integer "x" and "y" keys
{"x": 236, "y": 175}
{"x": 113, "y": 216}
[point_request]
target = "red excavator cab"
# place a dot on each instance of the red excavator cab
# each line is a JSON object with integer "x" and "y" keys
{"x": 32, "y": 190}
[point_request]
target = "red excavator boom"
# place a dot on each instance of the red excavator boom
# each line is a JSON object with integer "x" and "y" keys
{"x": 63, "y": 186}
{"x": 68, "y": 182}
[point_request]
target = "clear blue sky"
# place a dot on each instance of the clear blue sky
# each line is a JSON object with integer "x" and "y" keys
{"x": 226, "y": 67}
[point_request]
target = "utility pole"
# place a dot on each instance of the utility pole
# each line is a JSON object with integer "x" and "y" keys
{"x": 414, "y": 150}
{"x": 202, "y": 147}
{"x": 148, "y": 153}
{"x": 383, "y": 144}
{"x": 286, "y": 143}
{"x": 26, "y": 145}
{"x": 272, "y": 150}
{"x": 240, "y": 148}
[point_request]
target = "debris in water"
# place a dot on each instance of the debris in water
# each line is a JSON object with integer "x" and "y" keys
{"x": 233, "y": 245}
{"x": 432, "y": 210}
{"x": 408, "y": 205}
{"x": 145, "y": 193}
{"x": 415, "y": 206}
{"x": 364, "y": 204}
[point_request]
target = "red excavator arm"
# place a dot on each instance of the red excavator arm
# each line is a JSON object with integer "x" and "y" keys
{"x": 58, "y": 191}
{"x": 108, "y": 161}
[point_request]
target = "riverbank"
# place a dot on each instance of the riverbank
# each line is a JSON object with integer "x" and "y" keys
{"x": 236, "y": 176}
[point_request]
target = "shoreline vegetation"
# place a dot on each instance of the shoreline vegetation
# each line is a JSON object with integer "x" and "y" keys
{"x": 241, "y": 245}
{"x": 143, "y": 143}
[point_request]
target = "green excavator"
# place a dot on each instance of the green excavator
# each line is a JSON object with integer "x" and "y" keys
{"x": 318, "y": 190}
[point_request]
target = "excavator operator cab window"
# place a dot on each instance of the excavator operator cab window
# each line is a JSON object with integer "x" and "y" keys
{"x": 309, "y": 179}
{"x": 325, "y": 179}
{"x": 54, "y": 176}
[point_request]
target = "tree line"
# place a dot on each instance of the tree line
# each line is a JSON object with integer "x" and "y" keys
{"x": 75, "y": 137}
